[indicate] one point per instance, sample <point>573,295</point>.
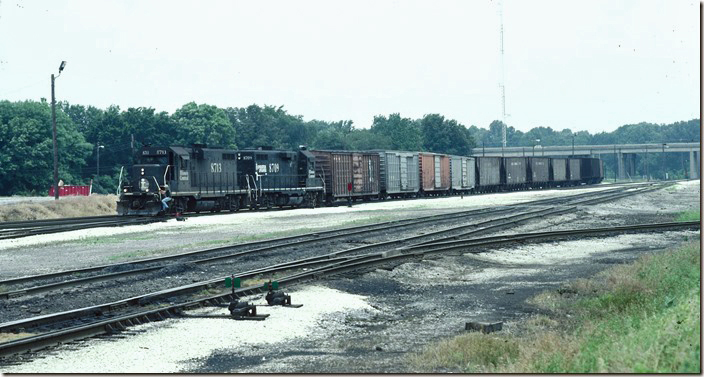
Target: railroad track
<point>17,287</point>
<point>116,316</point>
<point>18,229</point>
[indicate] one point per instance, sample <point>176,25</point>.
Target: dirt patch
<point>75,206</point>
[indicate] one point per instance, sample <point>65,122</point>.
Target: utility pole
<point>53,126</point>
<point>97,170</point>
<point>647,177</point>
<point>572,145</point>
<point>503,86</point>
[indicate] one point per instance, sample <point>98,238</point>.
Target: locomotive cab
<point>149,174</point>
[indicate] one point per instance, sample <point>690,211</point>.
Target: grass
<point>639,318</point>
<point>689,216</point>
<point>74,206</point>
<point>136,254</point>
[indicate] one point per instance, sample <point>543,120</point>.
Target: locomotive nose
<point>147,177</point>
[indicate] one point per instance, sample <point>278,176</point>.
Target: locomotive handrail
<point>119,183</point>
<point>158,189</point>
<point>166,172</point>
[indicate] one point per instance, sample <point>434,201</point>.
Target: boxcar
<point>539,171</point>
<point>398,173</point>
<point>462,173</point>
<point>592,170</point>
<point>434,172</point>
<point>574,169</point>
<point>344,170</point>
<point>488,173</point>
<point>558,170</point>
<point>515,171</point>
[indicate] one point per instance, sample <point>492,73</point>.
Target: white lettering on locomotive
<point>216,167</point>
<point>274,167</point>
<point>183,176</point>
<point>261,168</point>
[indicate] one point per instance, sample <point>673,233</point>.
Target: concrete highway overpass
<point>625,153</point>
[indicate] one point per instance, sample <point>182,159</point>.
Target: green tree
<point>445,136</point>
<point>204,124</point>
<point>402,133</point>
<point>26,148</point>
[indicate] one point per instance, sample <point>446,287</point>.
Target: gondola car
<point>538,171</point>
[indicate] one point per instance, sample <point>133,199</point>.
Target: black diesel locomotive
<point>198,178</point>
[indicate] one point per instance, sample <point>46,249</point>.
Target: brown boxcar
<point>434,171</point>
<point>342,170</point>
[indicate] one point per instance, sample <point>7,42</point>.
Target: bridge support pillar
<point>694,172</point>
<point>629,162</point>
<point>621,165</point>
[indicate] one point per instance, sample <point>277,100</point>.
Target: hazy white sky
<point>584,65</point>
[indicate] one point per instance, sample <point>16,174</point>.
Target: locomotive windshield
<point>156,160</point>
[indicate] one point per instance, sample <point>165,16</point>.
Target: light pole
<point>97,170</point>
<point>53,126</point>
<point>534,144</point>
<point>664,175</point>
<point>572,145</point>
<point>647,177</point>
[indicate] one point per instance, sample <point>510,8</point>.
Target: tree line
<point>26,152</point>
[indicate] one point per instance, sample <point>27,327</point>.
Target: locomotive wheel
<point>234,204</point>
<point>312,200</point>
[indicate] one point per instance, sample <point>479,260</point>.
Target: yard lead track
<point>46,282</point>
<point>18,229</point>
<point>111,317</point>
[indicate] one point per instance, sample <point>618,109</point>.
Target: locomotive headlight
<point>125,190</point>
<point>144,184</point>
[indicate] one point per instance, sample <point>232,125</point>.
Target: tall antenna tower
<point>502,85</point>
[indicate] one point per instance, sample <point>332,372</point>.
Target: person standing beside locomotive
<point>165,197</point>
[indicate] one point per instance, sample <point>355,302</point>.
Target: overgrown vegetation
<point>74,206</point>
<point>639,318</point>
<point>689,216</point>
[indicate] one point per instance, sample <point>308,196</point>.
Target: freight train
<point>198,178</point>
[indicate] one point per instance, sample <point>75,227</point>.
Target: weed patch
<point>639,318</point>
<point>689,216</point>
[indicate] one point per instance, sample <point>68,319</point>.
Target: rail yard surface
<point>370,320</point>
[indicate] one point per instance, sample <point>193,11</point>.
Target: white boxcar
<point>462,173</point>
<point>399,173</point>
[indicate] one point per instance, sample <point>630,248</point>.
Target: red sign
<point>349,187</point>
<point>71,190</point>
